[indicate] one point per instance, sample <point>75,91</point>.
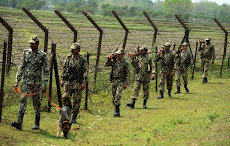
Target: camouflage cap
<point>120,51</point>
<point>33,39</point>
<point>185,44</point>
<point>144,47</point>
<point>208,38</point>
<point>75,45</point>
<point>167,44</point>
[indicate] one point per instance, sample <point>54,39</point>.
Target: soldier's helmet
<point>33,39</point>
<point>120,51</point>
<point>75,45</point>
<point>185,44</point>
<point>208,38</point>
<point>167,44</point>
<point>144,47</point>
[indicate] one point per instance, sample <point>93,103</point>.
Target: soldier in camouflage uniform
<point>144,68</point>
<point>33,62</point>
<point>207,53</point>
<point>166,58</point>
<point>119,77</point>
<point>183,59</point>
<point>74,77</point>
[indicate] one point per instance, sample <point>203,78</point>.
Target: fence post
<point>51,75</point>
<point>225,43</point>
<point>154,38</point>
<point>68,24</point>
<point>99,43</point>
<point>194,63</point>
<point>123,26</point>
<point>2,79</point>
<point>10,42</point>
<point>39,25</point>
<point>87,85</point>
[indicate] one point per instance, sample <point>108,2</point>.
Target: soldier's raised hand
<point>191,71</point>
<point>125,85</point>
<point>153,77</point>
<point>173,73</point>
<point>16,85</point>
<point>43,89</point>
<point>61,83</point>
<point>82,86</point>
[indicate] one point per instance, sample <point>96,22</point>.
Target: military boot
<point>144,103</point>
<point>74,118</point>
<point>37,122</point>
<point>178,90</point>
<point>161,95</point>
<point>186,88</point>
<point>117,111</point>
<point>132,104</point>
<point>169,94</point>
<point>18,124</point>
<point>205,80</point>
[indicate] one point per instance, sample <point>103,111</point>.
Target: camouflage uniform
<point>118,77</point>
<point>167,67</point>
<point>30,69</point>
<point>182,61</point>
<point>143,66</point>
<point>75,72</point>
<point>207,53</point>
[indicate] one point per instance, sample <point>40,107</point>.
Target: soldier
<point>30,69</point>
<point>183,59</point>
<point>119,77</point>
<point>143,66</point>
<point>74,77</point>
<point>207,53</point>
<point>166,58</point>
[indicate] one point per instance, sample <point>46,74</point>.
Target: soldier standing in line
<point>34,61</point>
<point>119,77</point>
<point>207,53</point>
<point>144,68</point>
<point>166,58</point>
<point>74,77</point>
<point>183,59</point>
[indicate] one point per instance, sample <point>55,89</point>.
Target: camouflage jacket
<point>75,69</point>
<point>120,71</point>
<point>143,66</point>
<point>31,68</point>
<point>207,51</point>
<point>183,60</point>
<point>166,61</point>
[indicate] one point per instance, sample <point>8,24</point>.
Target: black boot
<point>117,111</point>
<point>161,95</point>
<point>74,118</point>
<point>205,80</point>
<point>37,122</point>
<point>186,88</point>
<point>178,90</point>
<point>169,94</point>
<point>18,124</point>
<point>132,104</point>
<point>144,103</point>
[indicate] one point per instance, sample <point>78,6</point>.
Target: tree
<point>3,2</point>
<point>181,7</point>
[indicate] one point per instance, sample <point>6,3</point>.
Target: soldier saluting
<point>119,77</point>
<point>183,59</point>
<point>74,77</point>
<point>34,61</point>
<point>143,66</point>
<point>207,53</point>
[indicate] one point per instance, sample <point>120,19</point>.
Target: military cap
<point>208,38</point>
<point>33,39</point>
<point>75,45</point>
<point>185,44</point>
<point>120,51</point>
<point>167,44</point>
<point>144,47</point>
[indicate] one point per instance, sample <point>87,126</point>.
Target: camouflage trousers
<point>26,88</point>
<point>169,78</point>
<point>184,74</point>
<point>205,65</point>
<point>72,90</point>
<point>137,87</point>
<point>117,87</point>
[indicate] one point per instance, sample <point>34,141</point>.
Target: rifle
<point>194,60</point>
<point>156,68</point>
